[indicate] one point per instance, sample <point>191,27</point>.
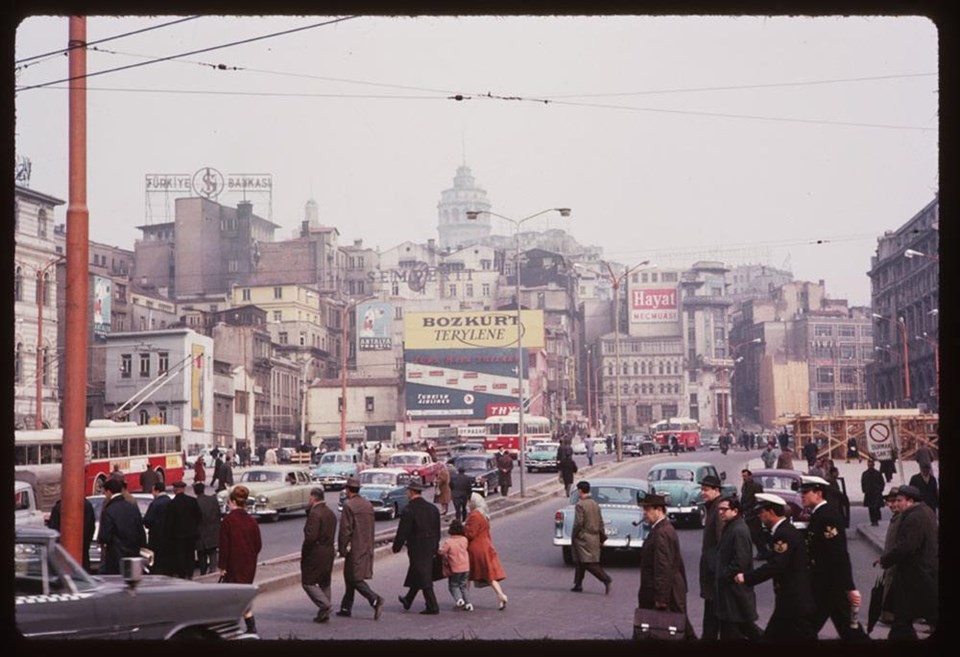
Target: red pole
<point>40,301</point>
<point>589,413</point>
<point>343,379</point>
<point>75,361</point>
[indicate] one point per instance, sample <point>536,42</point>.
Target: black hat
<point>712,481</point>
<point>892,493</point>
<point>911,492</point>
<point>654,499</point>
<point>179,483</point>
<point>415,484</point>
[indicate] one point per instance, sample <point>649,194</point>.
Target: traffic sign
<point>879,439</point>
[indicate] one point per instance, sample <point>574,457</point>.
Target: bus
<point>127,446</point>
<point>502,432</point>
<point>687,431</point>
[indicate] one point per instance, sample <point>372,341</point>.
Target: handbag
<point>659,624</point>
<point>437,567</point>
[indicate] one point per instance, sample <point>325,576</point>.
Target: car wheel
<point>392,513</point>
<point>486,489</point>
<point>701,519</point>
<point>196,634</point>
<point>567,555</point>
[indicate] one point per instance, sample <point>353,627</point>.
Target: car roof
<point>383,471</point>
<point>617,481</point>
<point>666,465</point>
<point>278,468</point>
<point>421,453</point>
<point>773,472</point>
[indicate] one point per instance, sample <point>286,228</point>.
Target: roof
<point>680,464</point>
<point>617,481</point>
<point>383,470</point>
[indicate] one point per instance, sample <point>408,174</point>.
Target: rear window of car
<point>617,495</point>
<point>671,474</point>
<point>255,476</point>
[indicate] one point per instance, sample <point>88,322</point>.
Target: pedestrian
<point>147,478</point>
<point>456,564</point>
<point>89,527</point>
<point>199,473</point>
<point>270,456</point>
<point>926,483</point>
<point>504,468</point>
<point>735,605</point>
<point>587,538</point>
<point>590,450</point>
<point>923,455</point>
<point>461,486</point>
<point>564,450</point>
<point>261,454</point>
<point>872,484</point>
<point>442,494</point>
<point>419,530</point>
<point>609,442</point>
<point>485,567</point>
<point>117,474</point>
<point>833,477</point>
<point>785,459</point>
<point>818,469</point>
<point>239,545</point>
<point>787,566</point>
<point>121,532</point>
<point>215,481</point>
<point>226,475</point>
<point>769,456</point>
<point>810,452</point>
<point>317,554</point>
<point>674,445</point>
<point>209,530</point>
<point>710,493</point>
<point>181,527</point>
<point>663,579</point>
<point>567,468</point>
<point>853,450</point>
<point>831,577</point>
<point>784,439</point>
<point>355,544</point>
<point>893,505</point>
<point>914,589</point>
<point>748,502</point>
<point>154,520</point>
<point>376,454</point>
<point>888,467</point>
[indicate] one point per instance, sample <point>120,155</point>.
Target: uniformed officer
<point>831,576</point>
<point>793,604</point>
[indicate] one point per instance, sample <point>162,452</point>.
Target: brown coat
<point>317,553</point>
<point>442,495</point>
<point>587,527</point>
<point>484,562</point>
<point>662,575</point>
<point>785,460</point>
<point>239,546</point>
<point>355,541</point>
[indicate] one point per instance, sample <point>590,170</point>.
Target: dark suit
<point>154,520</point>
<point>89,527</point>
<point>181,527</point>
<point>662,575</point>
<point>460,488</point>
<point>419,530</point>
<point>708,570</point>
<point>735,604</point>
<point>121,532</point>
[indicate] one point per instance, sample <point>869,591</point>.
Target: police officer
<point>793,597</point>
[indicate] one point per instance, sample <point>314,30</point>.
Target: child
<point>456,564</point>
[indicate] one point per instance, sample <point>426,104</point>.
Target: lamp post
<point>472,215</point>
<point>343,367</point>
<point>596,396</point>
<point>589,409</point>
<point>902,325</point>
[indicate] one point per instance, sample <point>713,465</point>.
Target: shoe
<point>430,612</point>
<point>607,586</point>
<point>377,607</point>
<point>343,612</point>
<point>461,602</point>
<point>323,618</point>
<point>503,603</point>
<point>577,589</point>
<point>403,601</point>
<point>468,607</point>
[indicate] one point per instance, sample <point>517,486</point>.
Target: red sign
<point>653,304</point>
<point>501,409</point>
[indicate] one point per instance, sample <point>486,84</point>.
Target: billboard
<point>654,304</point>
<point>472,329</point>
<point>374,326</point>
<point>459,383</point>
<point>196,388</point>
<point>102,293</point>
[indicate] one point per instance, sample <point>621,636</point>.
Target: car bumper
<point>612,543</point>
<point>331,482</point>
<point>682,512</point>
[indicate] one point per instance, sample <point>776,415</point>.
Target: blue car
<point>386,488</point>
<point>335,467</point>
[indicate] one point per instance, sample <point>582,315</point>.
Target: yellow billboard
<point>465,329</point>
<point>196,388</point>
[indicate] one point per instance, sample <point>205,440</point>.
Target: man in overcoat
<point>317,554</point>
<point>735,604</point>
<point>209,532</point>
<point>504,468</point>
<point>89,527</point>
<point>154,521</point>
<point>587,538</point>
<point>182,527</point>
<point>710,491</point>
<point>872,483</point>
<point>355,544</point>
<point>147,478</point>
<point>567,467</point>
<point>460,488</point>
<point>419,530</point>
<point>121,531</point>
<point>793,598</point>
<point>663,579</point>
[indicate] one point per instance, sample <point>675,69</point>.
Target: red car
<point>786,484</point>
<point>418,464</point>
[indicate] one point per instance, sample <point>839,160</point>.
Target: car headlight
<point>416,473</point>
<point>262,499</point>
<point>479,480</point>
<point>384,495</point>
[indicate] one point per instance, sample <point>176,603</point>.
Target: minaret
<point>311,213</point>
<point>454,227</point>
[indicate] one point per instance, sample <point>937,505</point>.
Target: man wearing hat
<point>317,554</point>
<point>710,491</point>
<point>355,544</point>
<point>181,527</point>
<point>663,579</point>
<point>461,486</point>
<point>914,588</point>
<point>831,575</point>
<point>872,483</point>
<point>926,483</point>
<point>419,530</point>
<point>787,566</point>
<point>504,468</point>
<point>121,531</point>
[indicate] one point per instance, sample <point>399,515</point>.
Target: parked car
<point>533,443</point>
<point>274,489</point>
<point>619,500</point>
<point>418,464</point>
<point>638,445</point>
<point>96,501</point>
<point>786,484</point>
<point>25,505</point>
<point>482,469</point>
<point>542,458</point>
<point>56,599</point>
<point>335,467</point>
<point>710,440</point>
<point>386,488</point>
<point>679,481</point>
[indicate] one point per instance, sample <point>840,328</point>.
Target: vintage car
<point>463,449</point>
<point>96,501</point>
<point>786,484</point>
<point>542,458</point>
<point>386,488</point>
<point>274,489</point>
<point>418,464</point>
<point>679,481</point>
<point>482,469</point>
<point>25,507</point>
<point>55,598</point>
<point>619,500</point>
<point>335,467</point>
<point>638,445</point>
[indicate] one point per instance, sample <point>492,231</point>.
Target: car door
<point>303,489</point>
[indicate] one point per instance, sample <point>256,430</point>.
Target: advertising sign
<point>880,441</point>
<point>469,329</point>
<point>654,304</point>
<point>196,388</point>
<point>374,326</point>
<point>102,293</point>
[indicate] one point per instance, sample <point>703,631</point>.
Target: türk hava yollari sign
<point>472,329</point>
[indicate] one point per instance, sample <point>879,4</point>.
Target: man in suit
<point>209,530</point>
<point>735,605</point>
<point>831,576</point>
<point>355,543</point>
<point>148,478</point>
<point>504,468</point>
<point>587,540</point>
<point>710,491</point>
<point>460,488</point>
<point>419,530</point>
<point>154,520</point>
<point>181,527</point>
<point>121,531</point>
<point>748,500</point>
<point>793,598</point>
<point>317,554</point>
<point>926,483</point>
<point>89,527</point>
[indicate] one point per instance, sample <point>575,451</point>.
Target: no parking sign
<point>879,439</point>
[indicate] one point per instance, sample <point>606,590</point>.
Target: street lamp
<point>912,253</point>
<point>343,367</point>
<point>472,215</point>
<point>902,325</point>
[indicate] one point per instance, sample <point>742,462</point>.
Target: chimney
<point>431,244</point>
<point>244,210</point>
<point>358,243</point>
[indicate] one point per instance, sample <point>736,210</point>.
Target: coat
<point>708,550</point>
<point>790,573</point>
<point>872,483</point>
<point>928,489</point>
<point>785,460</point>
<point>317,552</point>
<point>442,494</point>
<point>461,486</point>
<point>830,572</point>
<point>239,545</point>
<point>456,558</point>
<point>89,527</point>
<point>914,588</point>
<point>355,540</point>
<point>587,528</point>
<point>505,467</point>
<point>209,528</point>
<point>147,479</point>
<point>567,468</point>
<point>199,473</point>
<point>154,520</point>
<point>748,495</point>
<point>769,457</point>
<point>734,602</point>
<point>662,575</point>
<point>183,517</point>
<point>121,531</point>
<point>419,530</point>
<point>484,561</point>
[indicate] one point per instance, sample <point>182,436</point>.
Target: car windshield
<point>405,459</point>
<point>547,447</point>
<point>779,483</point>
<point>337,458</point>
<point>617,495</point>
<point>254,476</point>
<point>472,464</point>
<point>383,478</point>
<point>671,474</point>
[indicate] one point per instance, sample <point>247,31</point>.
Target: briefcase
<point>658,624</point>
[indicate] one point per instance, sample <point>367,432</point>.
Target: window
<point>824,375</point>
<point>847,331</point>
<point>369,404</point>
<point>849,398</point>
<point>18,285</point>
<point>163,362</point>
<point>848,375</point>
<point>18,364</point>
<point>469,287</point>
<point>866,331</point>
<point>848,352</point>
<point>126,366</point>
<point>42,224</point>
<point>45,363</point>
<point>162,414</point>
<point>278,315</point>
<point>245,294</point>
<point>303,339</point>
<point>669,277</point>
<point>486,265</point>
<point>241,401</point>
<point>339,404</point>
<point>485,288</point>
<point>278,293</point>
<point>453,290</point>
<point>825,400</point>
<point>144,366</point>
<point>822,330</point>
<point>644,414</point>
<point>143,419</point>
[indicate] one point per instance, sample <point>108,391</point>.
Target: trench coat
<point>662,575</point>
<point>121,531</point>
<point>239,546</point>
<point>708,550</point>
<point>567,468</point>
<point>505,467</point>
<point>734,602</point>
<point>355,540</point>
<point>587,527</point>
<point>419,530</point>
<point>209,522</point>
<point>147,479</point>
<point>442,494</point>
<point>915,584</point>
<point>317,552</point>
<point>872,483</point>
<point>484,561</point>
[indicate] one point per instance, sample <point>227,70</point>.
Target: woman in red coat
<point>239,545</point>
<point>199,474</point>
<point>485,568</point>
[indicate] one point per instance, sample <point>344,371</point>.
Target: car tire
<point>486,489</point>
<point>393,512</point>
<point>196,634</point>
<point>567,551</point>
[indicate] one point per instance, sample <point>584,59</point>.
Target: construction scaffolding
<point>911,429</point>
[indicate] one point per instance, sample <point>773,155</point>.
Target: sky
<point>788,141</point>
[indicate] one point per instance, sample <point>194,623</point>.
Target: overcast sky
<point>671,138</point>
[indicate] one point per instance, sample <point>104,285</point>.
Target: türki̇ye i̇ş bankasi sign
<point>473,329</point>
